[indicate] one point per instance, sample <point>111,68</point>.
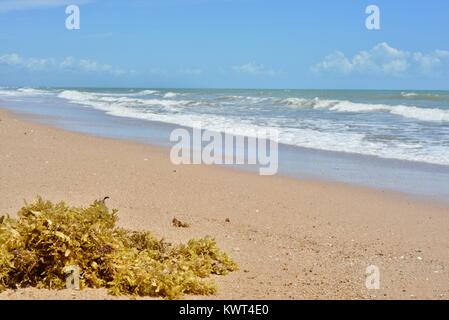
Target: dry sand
<point>292,239</point>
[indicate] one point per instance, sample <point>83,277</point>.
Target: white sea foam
<point>332,141</point>
<point>105,103</point>
<point>170,95</point>
<point>76,96</point>
<point>312,132</point>
<point>147,92</point>
<point>32,91</point>
<point>409,94</point>
<point>416,95</point>
<point>128,94</point>
<point>412,112</point>
<point>244,99</point>
<point>315,103</point>
<point>23,92</point>
<point>424,114</point>
<point>8,93</point>
<point>251,99</point>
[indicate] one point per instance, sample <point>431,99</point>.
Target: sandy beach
<point>293,239</point>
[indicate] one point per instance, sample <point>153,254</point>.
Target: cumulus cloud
<point>383,59</point>
<point>14,5</point>
<point>253,68</point>
<point>66,64</point>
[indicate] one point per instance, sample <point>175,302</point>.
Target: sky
<point>321,44</point>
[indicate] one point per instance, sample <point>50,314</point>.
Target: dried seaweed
<point>46,238</point>
<point>179,224</point>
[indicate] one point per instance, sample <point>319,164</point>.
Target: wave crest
<point>412,112</point>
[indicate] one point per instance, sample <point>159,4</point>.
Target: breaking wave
<point>412,112</point>
<point>318,123</point>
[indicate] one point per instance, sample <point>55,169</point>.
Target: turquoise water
<point>388,139</point>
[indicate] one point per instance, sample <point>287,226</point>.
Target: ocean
<point>396,130</point>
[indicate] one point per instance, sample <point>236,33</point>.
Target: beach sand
<point>293,239</point>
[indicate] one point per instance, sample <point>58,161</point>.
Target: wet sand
<point>293,239</point>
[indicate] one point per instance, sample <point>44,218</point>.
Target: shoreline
<point>164,148</point>
<point>295,162</point>
<point>293,239</point>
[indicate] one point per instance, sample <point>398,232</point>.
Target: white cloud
<point>385,60</point>
<point>66,64</point>
<point>253,68</point>
<point>14,59</point>
<point>14,5</point>
<point>336,62</point>
<point>93,66</point>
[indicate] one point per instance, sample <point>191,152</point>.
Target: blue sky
<point>225,43</point>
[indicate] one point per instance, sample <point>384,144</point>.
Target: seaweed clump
<point>46,238</point>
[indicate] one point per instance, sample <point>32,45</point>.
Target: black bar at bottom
<point>213,309</point>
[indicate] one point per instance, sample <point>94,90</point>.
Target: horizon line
<point>215,88</point>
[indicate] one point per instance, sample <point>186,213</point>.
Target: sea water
<point>387,139</point>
